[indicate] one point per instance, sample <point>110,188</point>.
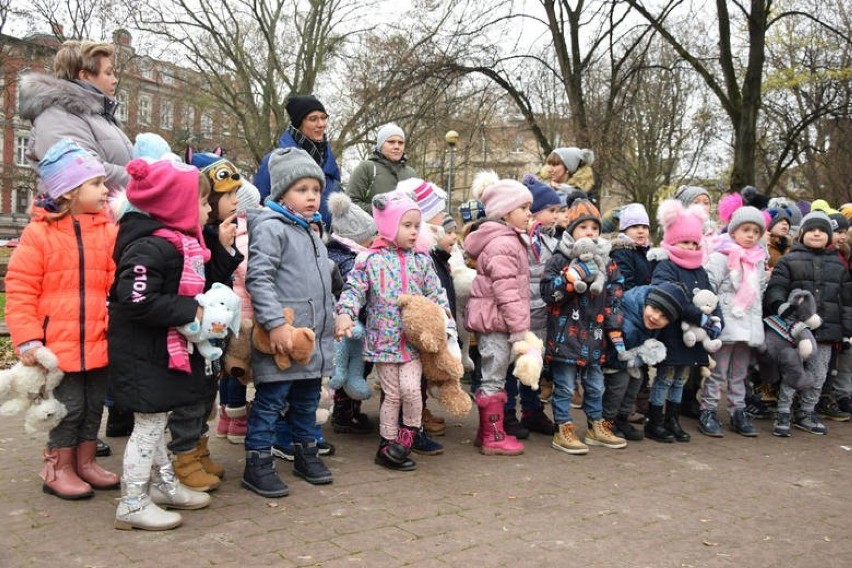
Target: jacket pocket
<point>304,312</point>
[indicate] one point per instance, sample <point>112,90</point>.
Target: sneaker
<point>425,445</point>
<point>513,427</point>
<point>283,453</point>
<point>829,409</point>
<point>565,440</point>
<point>599,433</point>
<point>708,424</point>
<point>757,409</point>
<point>538,422</point>
<point>741,424</point>
<point>810,422</point>
<point>325,447</point>
<point>781,428</point>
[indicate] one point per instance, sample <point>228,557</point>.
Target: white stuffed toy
<point>527,354</point>
<point>30,388</point>
<point>706,301</point>
<point>326,403</point>
<point>650,352</point>
<point>221,313</point>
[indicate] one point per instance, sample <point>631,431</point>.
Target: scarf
<point>317,150</point>
<point>191,283</point>
<point>535,240</point>
<point>295,217</point>
<point>743,261</point>
<point>688,259</point>
<point>110,106</point>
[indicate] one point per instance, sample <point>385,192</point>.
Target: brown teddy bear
<point>303,340</point>
<point>237,357</point>
<point>425,326</point>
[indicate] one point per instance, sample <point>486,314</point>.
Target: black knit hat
<point>300,106</point>
<point>839,222</point>
<point>668,298</point>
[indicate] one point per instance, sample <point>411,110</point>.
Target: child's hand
<point>228,232</point>
<point>281,339</point>
<point>28,358</point>
<point>343,326</point>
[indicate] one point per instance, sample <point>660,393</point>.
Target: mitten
<point>713,327</point>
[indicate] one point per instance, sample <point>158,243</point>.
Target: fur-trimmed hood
<point>623,242</point>
<point>40,91</point>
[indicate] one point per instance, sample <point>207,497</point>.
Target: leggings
<point>146,447</point>
<point>401,387</point>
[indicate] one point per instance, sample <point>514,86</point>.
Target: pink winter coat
<point>500,294</point>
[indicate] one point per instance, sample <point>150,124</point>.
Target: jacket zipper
<point>82,268</point>
<point>324,292</point>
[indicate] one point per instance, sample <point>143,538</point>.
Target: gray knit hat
<point>386,132</point>
<point>287,166</point>
<point>747,214</point>
<point>688,193</point>
<point>248,196</point>
<point>816,220</point>
<point>348,220</point>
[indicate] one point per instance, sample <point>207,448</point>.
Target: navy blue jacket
<point>632,262</point>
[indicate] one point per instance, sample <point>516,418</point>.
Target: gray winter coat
<point>288,267</point>
<point>62,109</point>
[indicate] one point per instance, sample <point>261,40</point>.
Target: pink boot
<point>495,441</point>
<point>224,422</point>
<point>238,425</point>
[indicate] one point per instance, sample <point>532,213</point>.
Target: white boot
<point>167,491</point>
<point>137,511</point>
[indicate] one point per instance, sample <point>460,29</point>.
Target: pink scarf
<point>744,261</point>
<point>688,259</point>
<point>195,255</point>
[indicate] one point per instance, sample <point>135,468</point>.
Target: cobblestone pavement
<point>711,503</point>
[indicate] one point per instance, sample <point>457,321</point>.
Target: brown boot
<point>89,470</point>
<point>434,425</point>
<point>60,477</point>
<point>191,473</point>
<point>204,457</point>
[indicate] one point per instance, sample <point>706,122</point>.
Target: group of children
<point>611,313</point>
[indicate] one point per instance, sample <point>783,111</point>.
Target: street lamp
<point>451,138</point>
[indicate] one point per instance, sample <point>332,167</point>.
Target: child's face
<point>654,318</point>
<point>409,229</point>
<point>204,208</point>
<point>687,245</point>
<point>446,242</point>
<point>747,235</point>
<point>519,217</point>
<point>547,217</point>
<point>303,197</point>
<point>587,228</point>
<point>815,239</point>
<point>227,205</point>
<point>90,197</point>
<point>638,233</point>
<point>780,229</point>
<point>839,238</point>
<point>562,217</point>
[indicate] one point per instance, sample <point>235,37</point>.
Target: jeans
<point>668,385</point>
<point>232,393</point>
<point>188,424</point>
<point>284,434</point>
<point>564,379</point>
<point>301,397</point>
<point>83,395</point>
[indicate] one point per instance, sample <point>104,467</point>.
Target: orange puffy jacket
<point>57,284</point>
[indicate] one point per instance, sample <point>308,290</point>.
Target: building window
<point>166,115</point>
<point>167,78</point>
<point>206,125</point>
<point>518,145</point>
<point>121,111</point>
<point>22,200</point>
<point>188,122</point>
<point>143,110</point>
<point>21,143</point>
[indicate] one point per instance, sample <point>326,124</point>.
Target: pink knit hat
<point>503,197</point>
<point>388,209</point>
<point>681,224</point>
<point>167,191</point>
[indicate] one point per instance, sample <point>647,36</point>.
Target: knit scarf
<point>317,150</point>
<point>688,259</point>
<point>535,240</point>
<point>295,217</point>
<point>191,283</point>
<point>742,261</point>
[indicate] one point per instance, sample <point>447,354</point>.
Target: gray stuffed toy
<point>789,340</point>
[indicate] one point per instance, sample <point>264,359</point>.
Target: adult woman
<point>78,103</point>
<point>382,170</point>
<point>570,170</point>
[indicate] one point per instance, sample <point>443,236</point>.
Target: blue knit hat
<point>66,166</point>
<point>544,196</point>
<point>222,174</point>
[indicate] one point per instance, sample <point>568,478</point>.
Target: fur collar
<point>40,92</point>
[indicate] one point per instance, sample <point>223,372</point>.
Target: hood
<point>257,216</point>
<point>377,156</point>
<point>133,226</point>
<point>40,91</point>
<point>478,239</point>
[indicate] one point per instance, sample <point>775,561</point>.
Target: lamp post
<point>451,138</point>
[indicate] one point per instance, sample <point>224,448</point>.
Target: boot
<point>237,425</point>
<point>60,475</point>
<point>537,421</point>
<point>224,423</point>
<point>708,424</point>
<point>495,441</point>
<point>626,430</point>
<point>599,433</point>
<point>191,473</point>
<point>260,475</point>
<point>654,427</point>
<point>167,491</point>
<point>434,425</point>
<point>425,445</point>
<point>309,466</point>
<point>384,458</point>
<point>741,424</point>
<point>344,419</point>
<point>137,511</point>
<point>103,449</point>
<point>362,418</point>
<point>672,422</point>
<point>119,422</point>
<point>89,470</point>
<point>565,440</point>
<point>828,408</point>
<point>513,427</point>
<point>206,462</point>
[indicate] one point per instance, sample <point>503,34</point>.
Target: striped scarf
<point>317,150</point>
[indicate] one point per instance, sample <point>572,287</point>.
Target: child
<point>52,302</point>
<point>630,248</point>
<point>578,325</point>
<point>392,267</point>
<point>737,272</point>
<point>814,267</point>
<point>778,241</point>
<point>683,239</point>
<point>160,259</point>
<point>288,267</point>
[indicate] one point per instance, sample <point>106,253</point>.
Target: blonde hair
<point>75,56</point>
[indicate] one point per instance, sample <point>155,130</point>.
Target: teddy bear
<point>789,340</point>
<point>349,365</point>
<point>30,389</point>
<point>706,301</point>
<point>650,352</point>
<point>237,357</point>
<point>426,326</point>
<point>221,313</point>
<point>462,281</point>
<point>527,356</point>
<point>303,341</point>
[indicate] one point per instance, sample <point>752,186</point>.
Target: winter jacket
<point>57,284</point>
<point>374,283</point>
<point>822,273</point>
<point>500,293</point>
<point>288,267</point>
<point>577,324</point>
<point>222,264</point>
<point>678,354</point>
<point>539,255</point>
<point>441,263</point>
<point>66,109</point>
<point>329,167</point>
<point>739,327</point>
<point>633,328</point>
<point>777,247</point>
<point>376,175</point>
<point>632,261</point>
<point>241,244</point>
<point>143,305</point>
